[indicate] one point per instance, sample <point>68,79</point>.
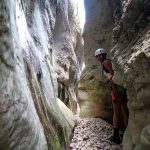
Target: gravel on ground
<point>93,134</point>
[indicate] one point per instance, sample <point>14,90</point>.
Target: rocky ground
<point>92,134</point>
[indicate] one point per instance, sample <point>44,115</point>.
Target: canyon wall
<point>94,97</point>
<point>122,27</point>
<point>131,54</point>
<point>40,62</point>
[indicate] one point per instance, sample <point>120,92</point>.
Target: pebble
<point>92,134</point>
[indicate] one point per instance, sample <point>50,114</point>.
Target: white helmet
<point>100,51</point>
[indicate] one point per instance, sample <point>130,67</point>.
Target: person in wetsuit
<point>118,94</point>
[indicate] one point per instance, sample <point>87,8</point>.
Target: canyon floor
<point>92,134</point>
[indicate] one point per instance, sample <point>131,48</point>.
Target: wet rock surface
<point>92,134</point>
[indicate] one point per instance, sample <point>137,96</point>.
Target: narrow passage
<point>92,134</point>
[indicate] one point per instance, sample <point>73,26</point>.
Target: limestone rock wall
<point>131,55</point>
<point>40,43</point>
<point>128,39</point>
<point>94,98</point>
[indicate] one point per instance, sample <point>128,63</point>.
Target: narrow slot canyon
<point>74,75</point>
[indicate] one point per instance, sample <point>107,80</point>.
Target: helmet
<point>100,51</point>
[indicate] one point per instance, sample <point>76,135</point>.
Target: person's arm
<point>108,65</point>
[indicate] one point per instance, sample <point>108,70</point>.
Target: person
<point>118,94</point>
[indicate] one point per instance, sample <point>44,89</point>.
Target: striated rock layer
<point>40,61</point>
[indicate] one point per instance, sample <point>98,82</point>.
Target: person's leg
<point>116,114</point>
<point>116,122</point>
<point>125,110</point>
<point>116,106</point>
<point>123,102</point>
